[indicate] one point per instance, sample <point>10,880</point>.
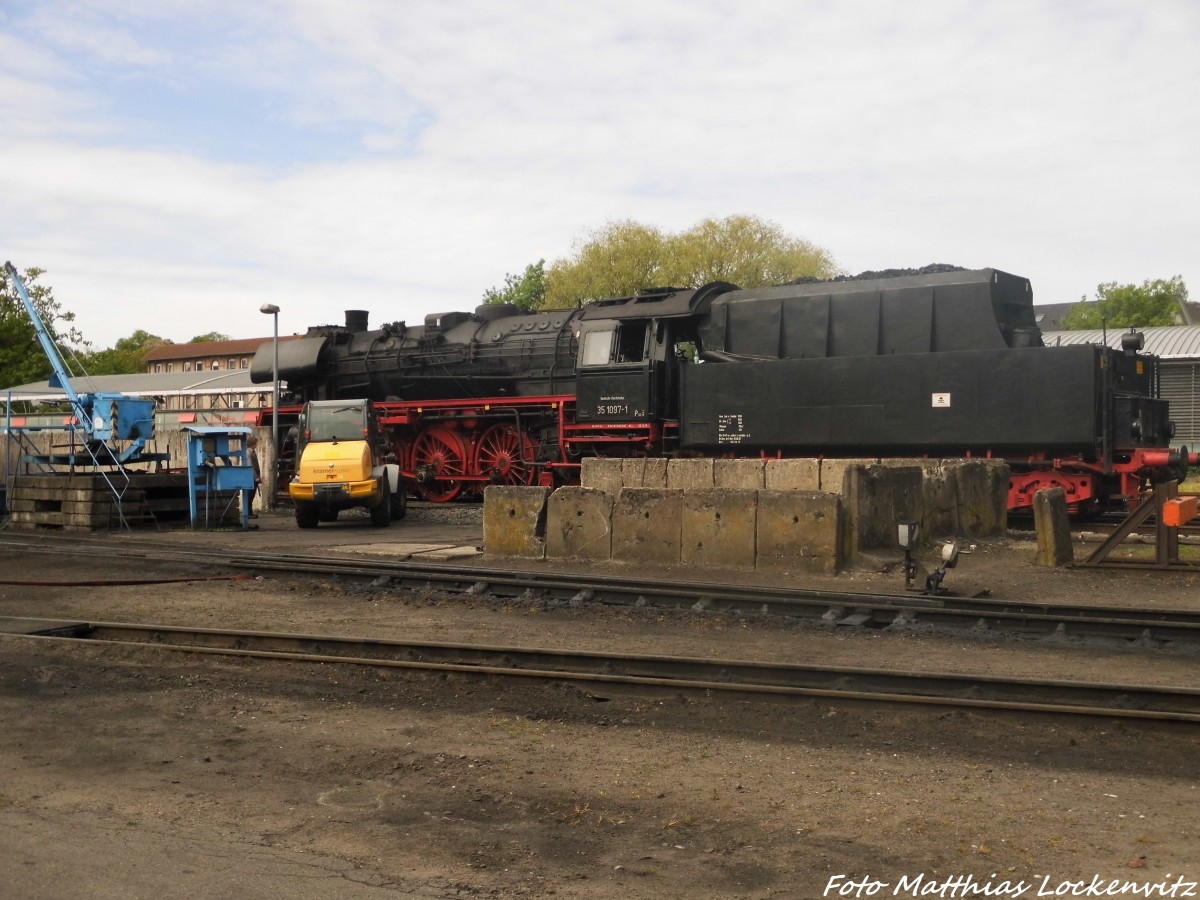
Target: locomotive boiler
<point>912,364</point>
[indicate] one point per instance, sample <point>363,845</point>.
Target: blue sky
<point>175,164</point>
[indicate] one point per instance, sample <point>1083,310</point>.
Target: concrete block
<point>689,474</point>
<point>982,486</point>
<point>718,528</point>
<point>792,475</point>
<point>876,497</point>
<point>602,474</point>
<point>633,471</point>
<point>833,473</point>
<point>654,475</point>
<point>921,462</point>
<point>647,525</point>
<point>939,489</point>
<point>579,523</point>
<point>963,497</point>
<point>799,531</point>
<point>1053,528</point>
<point>514,521</point>
<point>748,474</point>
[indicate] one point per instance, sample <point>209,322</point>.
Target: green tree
<point>623,258</point>
<point>22,359</point>
<point>1157,302</point>
<point>126,357</point>
<point>617,260</point>
<point>209,337</point>
<point>745,250</point>
<point>527,291</point>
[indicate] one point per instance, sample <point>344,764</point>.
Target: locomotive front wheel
<point>505,454</point>
<point>440,450</point>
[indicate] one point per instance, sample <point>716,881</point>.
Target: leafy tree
<point>618,260</point>
<point>22,359</point>
<point>1157,302</point>
<point>745,250</point>
<point>209,337</point>
<point>626,257</point>
<point>527,291</point>
<point>126,357</point>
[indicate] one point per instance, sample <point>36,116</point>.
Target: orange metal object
<point>1180,510</point>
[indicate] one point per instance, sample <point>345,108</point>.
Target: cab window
<point>631,342</point>
<point>597,348</point>
<point>340,423</point>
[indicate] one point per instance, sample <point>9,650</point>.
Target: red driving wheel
<point>438,454</point>
<point>505,454</point>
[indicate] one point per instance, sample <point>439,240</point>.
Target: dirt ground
<point>134,772</point>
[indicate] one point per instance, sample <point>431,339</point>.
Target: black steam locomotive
<point>928,363</point>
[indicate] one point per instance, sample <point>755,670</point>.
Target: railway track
<point>642,673</point>
<point>1097,528</point>
<point>1126,626</point>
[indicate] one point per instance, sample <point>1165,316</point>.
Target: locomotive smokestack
<point>356,320</point>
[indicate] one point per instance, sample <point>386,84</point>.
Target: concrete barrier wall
<point>647,525</point>
<point>799,531</point>
<point>876,498</point>
<point>719,528</point>
<point>602,474</point>
<point>579,523</point>
<point>790,514</point>
<point>748,474</point>
<point>689,474</point>
<point>792,475</point>
<point>514,521</point>
<point>961,497</point>
<point>982,487</point>
<point>728,528</point>
<point>834,473</point>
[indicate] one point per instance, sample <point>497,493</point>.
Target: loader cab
<point>337,420</point>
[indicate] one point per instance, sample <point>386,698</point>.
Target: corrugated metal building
<point>182,398</point>
<point>1178,346</point>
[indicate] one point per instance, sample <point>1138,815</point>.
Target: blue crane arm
<point>51,351</point>
<point>102,416</point>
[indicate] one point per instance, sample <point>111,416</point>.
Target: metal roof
<point>145,384</point>
<point>1164,341</point>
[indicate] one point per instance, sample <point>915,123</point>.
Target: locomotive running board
<point>1166,537</point>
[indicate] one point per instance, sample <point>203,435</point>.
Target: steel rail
<point>894,611</point>
<point>747,678</point>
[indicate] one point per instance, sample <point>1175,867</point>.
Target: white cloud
<point>409,155</point>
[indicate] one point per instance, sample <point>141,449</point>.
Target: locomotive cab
<point>620,371</point>
<point>627,369</point>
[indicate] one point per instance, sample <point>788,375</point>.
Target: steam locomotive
<point>919,363</point>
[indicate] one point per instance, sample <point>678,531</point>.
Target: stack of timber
<point>88,502</point>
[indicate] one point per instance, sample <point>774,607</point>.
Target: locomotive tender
<point>932,363</point>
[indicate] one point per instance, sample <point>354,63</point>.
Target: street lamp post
<point>271,309</point>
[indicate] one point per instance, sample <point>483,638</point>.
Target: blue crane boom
<point>61,377</point>
<point>103,416</point>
